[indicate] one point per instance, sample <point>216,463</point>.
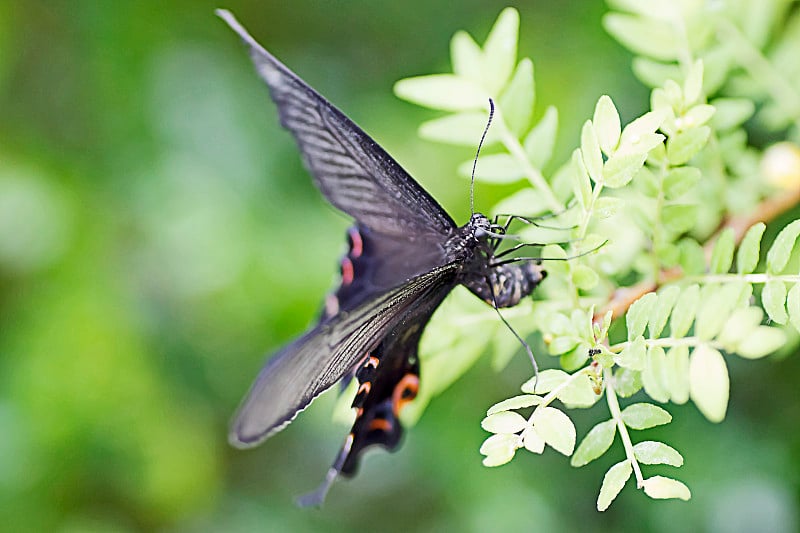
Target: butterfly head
<point>480,226</point>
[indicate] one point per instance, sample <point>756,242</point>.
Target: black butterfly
<point>406,254</point>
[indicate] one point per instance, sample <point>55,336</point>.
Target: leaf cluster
<point>638,204</point>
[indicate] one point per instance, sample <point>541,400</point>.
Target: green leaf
<point>740,326</point>
<point>676,374</point>
<point>447,92</point>
<point>673,94</point>
<point>731,112</point>
<point>532,441</point>
<point>467,57</point>
<point>499,449</point>
<point>517,402</point>
<point>607,206</point>
<point>627,382</point>
<point>749,250</point>
<point>516,102</point>
<point>654,374</point>
<point>581,186</point>
<point>679,218</point>
<point>607,125</point>
<point>696,116</point>
<point>693,85</point>
<point>613,482</point>
<point>540,141</point>
<point>555,428</point>
<point>781,249</point>
<point>500,50</point>
<point>773,298</point>
<point>575,358</point>
<point>579,393</point>
<point>692,257</point>
<point>682,146</point>
<point>494,168</point>
<point>661,309</point>
<point>761,342</point>
<point>462,129</point>
<point>584,277</point>
<point>793,306</point>
<point>717,306</point>
<point>722,254</point>
<point>524,202</point>
<point>654,73</point>
<point>548,380</point>
<point>590,151</point>
<point>643,126</point>
<point>679,181</point>
<point>685,311</point>
<point>557,323</point>
<point>582,323</point>
<point>561,345</point>
<point>664,488</point>
<point>645,36</point>
<point>650,452</point>
<point>633,355</point>
<point>620,169</point>
<point>595,443</point>
<point>645,416</point>
<point>504,422</point>
<point>709,385</point>
<point>638,314</point>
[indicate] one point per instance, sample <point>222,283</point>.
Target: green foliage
<point>638,201</point>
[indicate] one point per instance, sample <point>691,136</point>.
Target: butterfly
<point>405,255</point>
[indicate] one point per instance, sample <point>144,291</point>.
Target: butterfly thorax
<point>501,285</point>
<point>470,241</point>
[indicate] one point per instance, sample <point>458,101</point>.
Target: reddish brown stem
<point>772,207</point>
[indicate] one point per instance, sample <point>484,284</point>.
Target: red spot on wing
<point>357,247</point>
<point>347,271</point>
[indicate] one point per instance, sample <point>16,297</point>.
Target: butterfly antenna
<point>522,341</point>
<point>475,163</point>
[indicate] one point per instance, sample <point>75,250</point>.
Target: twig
<point>766,211</point>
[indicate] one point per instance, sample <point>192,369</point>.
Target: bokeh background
<point>158,236</point>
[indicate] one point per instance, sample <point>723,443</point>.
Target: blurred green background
<point>158,236</point>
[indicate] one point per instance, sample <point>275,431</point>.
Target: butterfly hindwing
<point>314,362</point>
<point>388,379</point>
<point>353,172</point>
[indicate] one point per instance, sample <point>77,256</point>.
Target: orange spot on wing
<point>405,391</point>
<point>364,388</point>
<point>347,271</point>
<point>380,424</point>
<point>371,361</point>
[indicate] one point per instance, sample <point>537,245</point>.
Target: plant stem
<point>669,342</point>
<point>513,146</point>
<point>749,278</point>
<point>548,399</point>
<point>616,414</point>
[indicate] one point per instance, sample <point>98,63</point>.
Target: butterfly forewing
<point>351,170</point>
<point>321,357</point>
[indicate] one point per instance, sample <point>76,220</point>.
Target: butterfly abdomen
<point>505,285</point>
